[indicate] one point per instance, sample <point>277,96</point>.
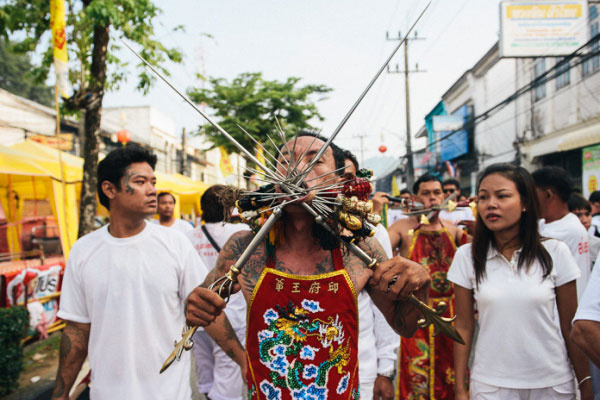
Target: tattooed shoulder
<point>231,251</point>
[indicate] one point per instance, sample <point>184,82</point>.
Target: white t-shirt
<point>178,224</point>
<point>131,290</point>
<point>377,341</point>
<point>589,305</point>
<point>383,237</point>
<point>569,229</point>
<point>219,232</point>
<point>395,214</point>
<point>519,345</point>
<point>457,215</point>
<point>595,224</point>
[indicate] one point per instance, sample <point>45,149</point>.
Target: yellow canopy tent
<point>187,192</point>
<point>30,170</point>
<point>29,176</point>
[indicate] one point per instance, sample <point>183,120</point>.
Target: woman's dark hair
<point>112,168</point>
<point>531,241</point>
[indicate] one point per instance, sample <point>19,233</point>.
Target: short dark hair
<point>595,197</point>
<point>162,194</point>
<point>451,181</point>
<point>112,168</point>
<point>425,178</point>
<point>578,202</point>
<point>405,191</point>
<point>211,204</point>
<point>350,156</point>
<point>554,178</point>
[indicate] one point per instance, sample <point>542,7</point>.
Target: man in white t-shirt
<point>166,206</point>
<point>451,186</point>
<point>377,341</point>
<point>218,376</point>
<point>594,200</point>
<point>553,188</point>
<point>586,326</point>
<point>124,289</point>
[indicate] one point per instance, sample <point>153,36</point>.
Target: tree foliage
<point>256,105</point>
<point>16,77</point>
<point>94,62</point>
<point>13,325</point>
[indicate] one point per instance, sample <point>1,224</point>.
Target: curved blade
<point>434,317</point>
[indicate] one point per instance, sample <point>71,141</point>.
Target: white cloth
<point>594,249</point>
<point>394,215</point>
<point>382,236</point>
<point>595,227</point>
<point>589,304</point>
<point>377,341</point>
<point>519,345</point>
<point>226,382</point>
<point>377,345</point>
<point>220,233</point>
<point>457,215</point>
<point>570,230</point>
<point>132,290</point>
<point>481,391</point>
<point>178,224</point>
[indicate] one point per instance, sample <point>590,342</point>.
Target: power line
<point>542,79</point>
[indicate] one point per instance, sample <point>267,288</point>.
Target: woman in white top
<point>518,281</point>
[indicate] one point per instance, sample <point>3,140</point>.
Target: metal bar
<point>186,336</point>
<point>363,94</point>
<point>199,111</point>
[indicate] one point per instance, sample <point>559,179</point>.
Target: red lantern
<point>123,136</point>
<point>382,149</point>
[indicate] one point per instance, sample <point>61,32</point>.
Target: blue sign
<point>454,144</point>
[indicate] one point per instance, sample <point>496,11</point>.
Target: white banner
<point>542,28</point>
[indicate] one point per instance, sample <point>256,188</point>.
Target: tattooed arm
<point>224,335</point>
<point>391,298</point>
<point>204,307</point>
<point>73,350</point>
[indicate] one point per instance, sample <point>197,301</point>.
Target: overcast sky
<point>338,43</point>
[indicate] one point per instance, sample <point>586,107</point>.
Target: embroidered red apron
<point>426,363</point>
<point>302,335</point>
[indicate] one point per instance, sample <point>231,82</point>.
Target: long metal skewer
<point>360,98</point>
<point>222,287</point>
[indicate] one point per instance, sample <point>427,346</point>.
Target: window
<point>592,64</point>
<point>563,75</point>
<point>540,88</point>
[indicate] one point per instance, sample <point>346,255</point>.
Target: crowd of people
<point>309,320</point>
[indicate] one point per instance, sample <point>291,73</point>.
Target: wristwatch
<point>390,374</point>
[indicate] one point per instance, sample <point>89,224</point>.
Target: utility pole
<point>410,170</point>
<point>362,148</point>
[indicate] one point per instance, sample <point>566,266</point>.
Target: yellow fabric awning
<point>32,171</point>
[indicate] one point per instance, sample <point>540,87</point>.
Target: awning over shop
<point>31,171</point>
<point>574,137</point>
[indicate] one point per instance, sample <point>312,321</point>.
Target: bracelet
<point>583,380</point>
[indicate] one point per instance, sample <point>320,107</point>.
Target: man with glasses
<point>460,216</point>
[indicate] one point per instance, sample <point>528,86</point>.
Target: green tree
<point>256,105</point>
<point>16,78</point>
<point>90,26</point>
